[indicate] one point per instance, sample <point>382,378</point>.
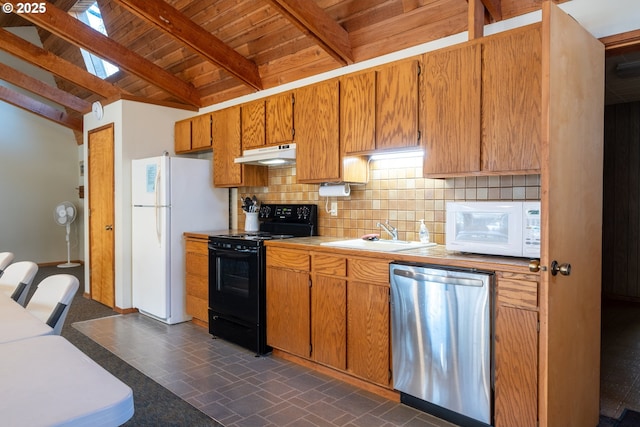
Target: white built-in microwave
<point>494,228</point>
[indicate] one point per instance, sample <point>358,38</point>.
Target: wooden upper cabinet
<point>182,136</point>
<point>317,133</point>
<point>279,119</point>
<point>226,147</point>
<point>193,134</point>
<point>201,132</point>
<point>397,105</point>
<point>451,110</point>
<point>253,125</point>
<point>482,106</point>
<point>358,113</point>
<point>512,101</point>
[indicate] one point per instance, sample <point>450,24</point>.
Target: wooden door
<point>451,110</point>
<point>317,139</point>
<point>571,187</point>
<point>101,215</point>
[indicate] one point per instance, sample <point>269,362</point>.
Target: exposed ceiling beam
<point>70,29</point>
<point>24,50</point>
<point>44,90</point>
<point>494,7</point>
<point>43,110</point>
<point>476,19</point>
<point>312,20</point>
<point>177,25</point>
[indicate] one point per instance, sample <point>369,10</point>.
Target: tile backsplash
<point>397,192</point>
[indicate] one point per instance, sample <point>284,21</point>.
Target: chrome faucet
<point>390,229</point>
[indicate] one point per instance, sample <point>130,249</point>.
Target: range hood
<point>275,155</point>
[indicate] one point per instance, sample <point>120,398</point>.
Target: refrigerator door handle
<point>157,206</point>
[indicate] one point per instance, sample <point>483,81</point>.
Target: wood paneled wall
<point>621,202</point>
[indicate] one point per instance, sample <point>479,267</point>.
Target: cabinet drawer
<point>198,247</point>
<point>287,258</point>
<point>369,270</point>
<point>197,286</point>
<point>518,292</point>
<point>328,264</point>
<point>198,308</point>
<point>197,264</point>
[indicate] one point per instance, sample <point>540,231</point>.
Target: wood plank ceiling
<point>195,53</point>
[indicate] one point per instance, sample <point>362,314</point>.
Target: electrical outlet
<point>334,209</point>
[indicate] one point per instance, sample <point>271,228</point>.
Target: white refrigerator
<point>170,195</point>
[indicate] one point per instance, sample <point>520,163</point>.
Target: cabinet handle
<point>108,227</point>
<point>534,265</point>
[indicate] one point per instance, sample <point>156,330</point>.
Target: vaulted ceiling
<point>195,53</point>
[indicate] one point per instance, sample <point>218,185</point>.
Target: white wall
<point>140,130</point>
<point>39,167</point>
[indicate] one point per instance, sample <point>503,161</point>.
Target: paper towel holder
<point>334,190</point>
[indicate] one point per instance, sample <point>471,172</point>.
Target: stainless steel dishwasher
<point>441,341</point>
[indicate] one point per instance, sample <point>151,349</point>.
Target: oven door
<point>234,283</point>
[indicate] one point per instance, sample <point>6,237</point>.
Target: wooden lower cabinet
<point>516,351</point>
<point>197,278</point>
<point>368,338</point>
<point>348,318</point>
<point>288,301</point>
<point>329,310</point>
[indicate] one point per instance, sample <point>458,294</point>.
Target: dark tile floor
<point>238,389</point>
<point>620,358</point>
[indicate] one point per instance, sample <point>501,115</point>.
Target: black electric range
<point>237,273</point>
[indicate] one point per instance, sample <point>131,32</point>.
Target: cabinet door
<point>397,106</point>
<point>358,113</point>
<point>329,318</point>
<point>516,367</point>
<point>317,139</point>
<point>368,331</point>
<point>253,125</point>
<point>279,119</point>
<point>182,136</point>
<point>288,311</point>
<point>201,132</point>
<point>512,101</point>
<point>226,147</point>
<point>451,110</point>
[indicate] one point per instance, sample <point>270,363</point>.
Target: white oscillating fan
<point>64,214</point>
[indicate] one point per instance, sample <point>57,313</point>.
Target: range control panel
<point>293,214</point>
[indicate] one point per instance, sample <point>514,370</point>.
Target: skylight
<point>92,17</point>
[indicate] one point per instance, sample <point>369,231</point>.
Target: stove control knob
<point>265,211</point>
<point>305,212</point>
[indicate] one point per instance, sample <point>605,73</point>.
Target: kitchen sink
<point>378,245</point>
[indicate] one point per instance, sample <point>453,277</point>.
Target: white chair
<point>5,260</point>
<point>52,298</point>
<point>17,279</point>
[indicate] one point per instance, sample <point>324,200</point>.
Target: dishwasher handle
<point>431,278</point>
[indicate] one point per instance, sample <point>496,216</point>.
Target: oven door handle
<point>232,251</point>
